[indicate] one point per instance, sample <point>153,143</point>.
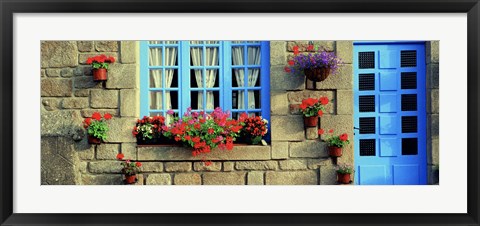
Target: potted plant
<point>255,127</point>
<point>204,132</point>
<point>100,65</point>
<point>97,127</point>
<point>344,172</point>
<point>316,66</point>
<point>149,130</point>
<point>130,169</point>
<point>311,109</point>
<point>335,143</point>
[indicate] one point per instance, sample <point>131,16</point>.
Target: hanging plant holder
<point>99,74</point>
<point>334,151</point>
<point>310,121</point>
<point>317,74</point>
<point>344,178</point>
<point>130,179</point>
<point>93,140</point>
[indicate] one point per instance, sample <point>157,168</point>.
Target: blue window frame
<point>233,75</point>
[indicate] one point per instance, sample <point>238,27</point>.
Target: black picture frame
<point>10,7</point>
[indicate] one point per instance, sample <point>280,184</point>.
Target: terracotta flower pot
<point>93,140</point>
<point>343,178</point>
<point>334,151</point>
<point>99,74</point>
<point>317,74</point>
<point>130,179</point>
<point>310,121</point>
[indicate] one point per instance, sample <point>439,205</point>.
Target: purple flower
<point>170,112</point>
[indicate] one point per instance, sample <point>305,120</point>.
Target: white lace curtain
<point>155,59</point>
<point>253,58</point>
<point>211,59</point>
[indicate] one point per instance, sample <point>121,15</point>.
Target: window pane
<point>254,99</point>
<point>196,78</point>
<point>238,79</point>
<point>171,56</point>
<point>237,55</point>
<point>253,77</point>
<point>171,78</point>
<point>253,55</point>
<point>238,99</point>
<point>156,79</point>
<point>211,78</point>
<point>211,56</point>
<point>155,57</point>
<point>196,56</point>
<point>156,100</point>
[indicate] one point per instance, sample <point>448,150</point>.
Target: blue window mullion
<point>227,75</point>
<point>144,80</point>
<point>184,86</point>
<point>265,84</point>
<point>164,107</point>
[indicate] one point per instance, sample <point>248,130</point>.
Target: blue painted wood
<point>224,76</point>
<point>389,165</point>
<point>144,73</point>
<point>265,84</point>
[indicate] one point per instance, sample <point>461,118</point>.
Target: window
<point>203,75</point>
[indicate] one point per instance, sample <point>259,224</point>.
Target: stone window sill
<point>179,153</point>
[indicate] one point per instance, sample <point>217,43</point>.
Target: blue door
<point>389,113</point>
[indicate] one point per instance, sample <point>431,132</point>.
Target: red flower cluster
<point>204,132</point>
<point>97,117</point>
<point>129,167</point>
<point>255,126</point>
<point>155,125</point>
<point>313,107</point>
<point>100,59</point>
<point>335,141</point>
<point>295,50</point>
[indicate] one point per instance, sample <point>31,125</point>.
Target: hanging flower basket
<point>100,66</point>
<point>99,74</point>
<point>93,140</point>
<point>130,179</point>
<point>343,178</point>
<point>317,74</point>
<point>311,121</point>
<point>334,151</point>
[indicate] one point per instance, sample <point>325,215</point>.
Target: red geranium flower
<point>210,131</point>
<point>321,131</point>
<point>288,70</point>
<point>323,100</point>
<point>343,137</point>
<point>197,126</point>
<point>320,113</point>
<point>138,164</point>
<point>120,156</point>
<point>310,47</point>
<point>291,62</point>
<point>97,116</point>
<point>87,122</point>
<point>107,116</point>
<point>295,50</point>
<point>330,131</point>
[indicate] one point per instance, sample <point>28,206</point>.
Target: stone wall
<point>295,156</point>
<point>432,54</point>
<point>69,95</point>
